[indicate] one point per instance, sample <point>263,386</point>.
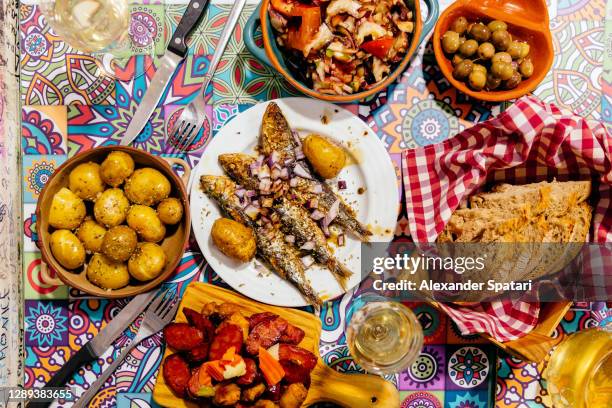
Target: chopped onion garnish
<point>342,184</point>
<point>294,182</point>
<point>313,203</point>
<point>290,239</point>
<point>264,172</point>
<point>255,203</point>
<point>317,188</point>
<point>240,192</point>
<point>274,351</point>
<point>325,230</point>
<point>331,214</point>
<point>276,173</point>
<point>265,185</point>
<point>307,260</point>
<point>260,159</point>
<point>296,137</point>
<point>251,211</point>
<point>254,168</point>
<point>341,240</point>
<point>251,193</point>
<point>265,220</point>
<point>300,170</point>
<point>288,161</point>
<point>274,158</point>
<point>317,215</point>
<point>308,246</point>
<point>299,154</point>
<point>284,174</point>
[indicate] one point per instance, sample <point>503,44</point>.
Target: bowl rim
<point>498,96</point>
<point>380,86</point>
<point>61,272</point>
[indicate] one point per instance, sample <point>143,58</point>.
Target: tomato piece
<point>379,47</point>
<point>311,21</point>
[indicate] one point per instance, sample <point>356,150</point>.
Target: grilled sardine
<point>276,133</point>
<point>237,165</point>
<point>271,245</point>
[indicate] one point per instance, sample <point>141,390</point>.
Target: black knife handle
<point>60,378</point>
<point>193,14</point>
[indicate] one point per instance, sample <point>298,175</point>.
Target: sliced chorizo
<point>292,335</point>
<point>251,374</point>
<point>176,374</point>
<point>227,336</point>
<point>297,355</point>
<point>199,353</point>
<point>257,318</point>
<point>201,322</point>
<point>182,336</point>
<point>265,334</point>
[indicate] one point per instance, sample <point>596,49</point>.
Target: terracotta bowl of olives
<point>494,50</point>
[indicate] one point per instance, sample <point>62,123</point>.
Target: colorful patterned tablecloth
<point>67,108</point>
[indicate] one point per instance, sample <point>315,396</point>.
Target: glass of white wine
<point>97,27</point>
<point>384,337</point>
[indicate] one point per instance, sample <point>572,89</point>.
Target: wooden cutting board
<point>347,390</point>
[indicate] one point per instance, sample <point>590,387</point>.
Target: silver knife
<point>175,53</point>
<point>98,345</point>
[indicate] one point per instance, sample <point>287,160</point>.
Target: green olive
<point>524,49</point>
<point>486,50</point>
<point>479,68</point>
<point>526,68</point>
<point>457,59</point>
<point>477,80</point>
<point>501,39</point>
<point>480,32</point>
<point>513,81</point>
<point>450,42</point>
<point>459,25</point>
<point>502,70</point>
<point>514,49</point>
<point>468,48</point>
<point>463,69</point>
<point>496,25</point>
<point>501,57</point>
<point>493,82</point>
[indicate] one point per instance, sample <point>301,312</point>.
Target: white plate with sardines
<point>285,195</point>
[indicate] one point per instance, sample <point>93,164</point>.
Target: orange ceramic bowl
<point>272,55</point>
<point>527,21</point>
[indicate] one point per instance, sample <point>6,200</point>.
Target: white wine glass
<point>384,337</point>
<point>97,27</point>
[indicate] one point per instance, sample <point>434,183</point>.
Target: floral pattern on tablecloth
<point>68,109</point>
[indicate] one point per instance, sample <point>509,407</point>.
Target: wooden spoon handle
<point>351,390</point>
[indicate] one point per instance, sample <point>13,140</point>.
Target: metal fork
<point>194,115</point>
<point>158,315</point>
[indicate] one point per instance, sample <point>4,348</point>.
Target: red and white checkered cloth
<point>531,141</point>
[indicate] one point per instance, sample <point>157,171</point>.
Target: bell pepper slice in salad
<point>379,47</point>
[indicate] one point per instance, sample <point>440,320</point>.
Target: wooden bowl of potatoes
<point>113,221</point>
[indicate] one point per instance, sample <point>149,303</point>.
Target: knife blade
<point>98,345</point>
<point>175,53</point>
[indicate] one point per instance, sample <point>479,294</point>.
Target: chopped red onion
<point>313,204</point>
<point>296,137</point>
<point>254,168</point>
<point>325,230</point>
<point>300,170</point>
<point>342,184</point>
<point>251,211</point>
<point>308,246</point>
<point>265,185</point>
<point>307,260</point>
<point>290,239</point>
<point>255,203</point>
<point>317,215</point>
<point>331,214</point>
<point>260,159</point>
<point>341,240</point>
<point>294,182</point>
<point>265,220</point>
<point>264,172</point>
<point>274,158</point>
<point>240,192</point>
<point>299,154</point>
<point>251,193</point>
<point>317,188</point>
<point>284,174</point>
<point>288,161</point>
<point>276,173</point>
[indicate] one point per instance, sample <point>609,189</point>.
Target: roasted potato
<point>327,158</point>
<point>147,261</point>
<point>147,186</point>
<point>111,207</point>
<point>119,243</point>
<point>146,223</point>
<point>234,239</point>
<point>170,210</point>
<point>85,181</point>
<point>67,210</point>
<point>67,249</point>
<point>226,395</point>
<point>294,396</point>
<point>116,168</point>
<point>106,273</point>
<point>91,234</point>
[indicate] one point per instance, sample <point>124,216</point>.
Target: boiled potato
<point>147,186</point>
<point>170,210</point>
<point>106,273</point>
<point>91,234</point>
<point>326,158</point>
<point>234,239</point>
<point>111,207</point>
<point>85,181</point>
<point>119,243</point>
<point>146,223</point>
<point>67,249</point>
<point>117,167</point>
<point>67,210</point>
<point>147,262</point>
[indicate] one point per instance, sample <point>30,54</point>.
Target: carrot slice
<point>271,369</point>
